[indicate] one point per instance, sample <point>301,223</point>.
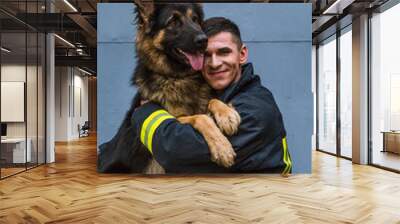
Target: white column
<point>50,93</point>
<point>360,90</point>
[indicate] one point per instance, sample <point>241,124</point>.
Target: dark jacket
<point>260,143</point>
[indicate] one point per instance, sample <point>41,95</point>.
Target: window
<point>346,92</point>
<point>327,95</point>
<point>385,88</point>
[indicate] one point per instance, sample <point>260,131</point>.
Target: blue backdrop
<point>279,40</point>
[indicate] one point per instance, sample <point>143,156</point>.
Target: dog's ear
<point>199,10</point>
<point>144,10</point>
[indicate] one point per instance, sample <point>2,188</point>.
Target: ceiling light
<point>65,41</point>
<point>79,51</point>
<point>337,7</point>
<point>5,50</point>
<point>330,8</point>
<point>70,5</point>
<point>86,72</point>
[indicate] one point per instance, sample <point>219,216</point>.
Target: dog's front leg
<point>220,148</point>
<point>227,118</point>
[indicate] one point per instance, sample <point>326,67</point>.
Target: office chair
<point>84,130</point>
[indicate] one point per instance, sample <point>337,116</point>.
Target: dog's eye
<point>173,21</point>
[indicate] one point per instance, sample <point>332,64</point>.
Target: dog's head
<point>170,38</point>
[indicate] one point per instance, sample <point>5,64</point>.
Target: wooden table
<point>391,141</point>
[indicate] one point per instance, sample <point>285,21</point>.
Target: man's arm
<point>179,145</point>
<point>172,144</point>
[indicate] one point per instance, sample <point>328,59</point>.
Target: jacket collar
<point>246,77</point>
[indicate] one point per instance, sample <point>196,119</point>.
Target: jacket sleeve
<point>172,144</point>
<point>121,154</point>
<point>260,144</point>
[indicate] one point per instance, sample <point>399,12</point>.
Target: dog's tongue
<point>196,60</point>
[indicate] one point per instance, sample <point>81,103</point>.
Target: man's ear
<point>144,10</point>
<point>244,53</point>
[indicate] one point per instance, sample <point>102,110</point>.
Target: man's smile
<point>217,74</point>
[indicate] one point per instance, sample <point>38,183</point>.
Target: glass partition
<point>13,105</point>
<point>22,78</point>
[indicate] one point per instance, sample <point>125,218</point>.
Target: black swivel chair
<point>84,130</point>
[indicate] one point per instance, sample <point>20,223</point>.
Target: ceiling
<point>76,22</point>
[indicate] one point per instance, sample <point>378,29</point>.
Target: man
<point>260,143</point>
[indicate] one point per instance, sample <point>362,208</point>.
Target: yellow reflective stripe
<point>153,130</point>
<point>286,157</point>
<point>150,125</point>
<point>147,121</point>
<point>146,135</point>
<point>289,160</point>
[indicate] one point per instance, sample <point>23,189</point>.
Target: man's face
<point>222,60</point>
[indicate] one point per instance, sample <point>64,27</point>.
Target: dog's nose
<point>201,40</point>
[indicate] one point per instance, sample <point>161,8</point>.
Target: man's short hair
<point>216,25</point>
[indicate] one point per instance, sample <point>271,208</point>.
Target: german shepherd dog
<point>170,46</point>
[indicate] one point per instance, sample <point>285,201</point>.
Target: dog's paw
<point>222,152</point>
<point>227,119</point>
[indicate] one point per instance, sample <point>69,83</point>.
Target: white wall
<point>12,101</point>
<point>71,94</point>
<point>61,103</point>
<point>14,73</point>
